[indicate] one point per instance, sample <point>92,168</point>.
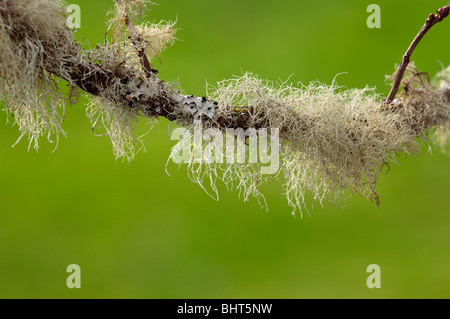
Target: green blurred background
<point>138,233</point>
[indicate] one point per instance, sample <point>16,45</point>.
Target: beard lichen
<point>31,95</point>
<point>333,142</point>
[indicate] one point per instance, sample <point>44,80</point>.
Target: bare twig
<point>432,19</point>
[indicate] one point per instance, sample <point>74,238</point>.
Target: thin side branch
<point>432,19</point>
<point>134,37</point>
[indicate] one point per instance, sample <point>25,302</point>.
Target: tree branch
<point>331,141</point>
<point>432,19</point>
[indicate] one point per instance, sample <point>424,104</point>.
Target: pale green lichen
<point>333,141</point>
<point>31,94</point>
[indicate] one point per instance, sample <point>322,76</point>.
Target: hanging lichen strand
<point>333,142</point>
